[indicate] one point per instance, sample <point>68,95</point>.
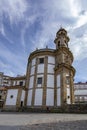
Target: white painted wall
<point>39,75</point>
<point>38,97</point>
<point>80,92</point>
<point>17,82</point>
<point>50,81</point>
<point>81,86</point>
<point>31,82</point>
<point>51,59</point>
<point>40,68</point>
<point>23,82</point>
<point>23,95</point>
<point>11,101</point>
<point>58,97</point>
<point>34,61</point>
<point>68,91</point>
<point>50,97</point>
<point>29,99</point>
<point>51,68</point>
<point>14,83</point>
<point>58,80</point>
<point>32,70</point>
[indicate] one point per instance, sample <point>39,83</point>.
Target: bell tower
<point>61,39</point>
<point>64,71</point>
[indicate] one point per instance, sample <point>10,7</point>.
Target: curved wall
<point>41,80</point>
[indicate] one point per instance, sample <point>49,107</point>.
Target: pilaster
<point>27,82</point>
<point>45,81</point>
<point>63,88</point>
<point>34,84</point>
<point>19,97</point>
<point>71,89</point>
<point>55,89</point>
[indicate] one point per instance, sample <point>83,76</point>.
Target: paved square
<point>32,121</point>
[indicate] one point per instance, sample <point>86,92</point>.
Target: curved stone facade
<point>49,78</point>
<point>41,78</point>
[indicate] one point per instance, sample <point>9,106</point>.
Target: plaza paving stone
<point>48,121</point>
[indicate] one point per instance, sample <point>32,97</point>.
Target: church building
<point>49,77</point>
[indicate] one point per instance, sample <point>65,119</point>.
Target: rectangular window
<point>41,60</point>
<point>21,83</point>
<point>39,80</point>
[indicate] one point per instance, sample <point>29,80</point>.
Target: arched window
<point>58,43</point>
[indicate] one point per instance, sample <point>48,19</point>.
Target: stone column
<point>45,81</point>
<point>63,88</point>
<point>71,89</point>
<point>34,84</point>
<point>55,89</point>
<point>19,97</point>
<point>27,82</point>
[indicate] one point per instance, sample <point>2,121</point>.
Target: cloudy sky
<point>29,24</point>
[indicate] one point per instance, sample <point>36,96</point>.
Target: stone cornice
<point>41,52</point>
<point>51,52</point>
<point>18,78</point>
<point>67,66</point>
<point>15,87</point>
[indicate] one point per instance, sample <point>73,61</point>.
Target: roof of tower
<point>61,30</point>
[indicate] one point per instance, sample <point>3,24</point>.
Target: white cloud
<point>28,22</point>
<point>82,20</point>
<point>51,20</point>
<point>12,62</point>
<point>14,9</point>
<point>74,8</point>
<point>78,42</point>
<point>77,10</point>
<point>2,29</point>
